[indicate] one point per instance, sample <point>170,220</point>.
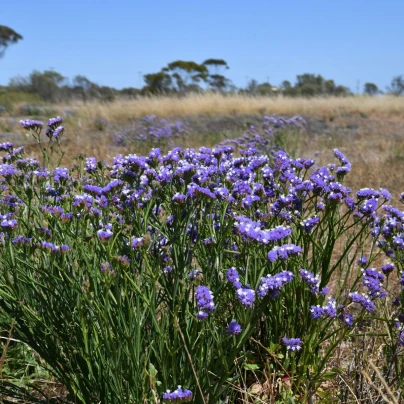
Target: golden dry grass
<point>213,104</point>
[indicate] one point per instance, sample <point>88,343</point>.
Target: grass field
<point>369,131</point>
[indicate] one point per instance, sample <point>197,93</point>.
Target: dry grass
<point>214,104</point>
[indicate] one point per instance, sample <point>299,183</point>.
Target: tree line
<point>177,78</point>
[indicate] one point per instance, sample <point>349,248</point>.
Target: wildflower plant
<point>175,269</point>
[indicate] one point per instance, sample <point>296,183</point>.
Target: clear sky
<point>114,42</point>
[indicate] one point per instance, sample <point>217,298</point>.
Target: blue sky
<point>115,42</point>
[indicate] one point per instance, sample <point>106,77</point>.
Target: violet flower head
<point>292,344</point>
<point>104,235</point>
<point>204,300</point>
<point>10,224</point>
<point>54,122</point>
<point>272,284</point>
<point>363,300</point>
<point>330,309</point>
<point>91,164</point>
<point>233,277</point>
<point>313,281</point>
<point>310,223</point>
<point>388,268</point>
<point>246,296</point>
<point>180,395</point>
<point>30,124</point>
<point>284,252</point>
<point>233,328</point>
<point>58,132</point>
<point>347,319</point>
<point>316,312</point>
<point>137,242</point>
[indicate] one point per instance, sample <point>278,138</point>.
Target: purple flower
<point>104,235</point>
<point>233,328</point>
<point>58,132</point>
<point>137,242</point>
<point>385,194</point>
<point>60,173</point>
<point>91,164</point>
<point>195,274</point>
<point>362,261</point>
<point>204,299</point>
<point>347,319</point>
<point>272,284</point>
<point>313,281</point>
<point>31,124</point>
<point>54,122</point>
<point>367,193</point>
<point>9,224</point>
<point>386,269</point>
<point>246,296</point>
<point>368,207</point>
<point>316,312</point>
<point>330,309</point>
<point>292,344</point>
<point>179,198</point>
<point>201,315</point>
<point>363,300</point>
<point>309,224</point>
<point>233,278</point>
<point>284,252</point>
<point>6,146</point>
<point>179,395</point>
<point>372,279</point>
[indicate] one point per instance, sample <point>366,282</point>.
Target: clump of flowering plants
<point>158,277</point>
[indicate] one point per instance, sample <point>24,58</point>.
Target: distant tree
<point>157,83</point>
<point>84,88</point>
<point>216,79</point>
<point>185,73</point>
<point>7,38</point>
<point>219,82</point>
<point>370,89</point>
<point>130,92</point>
<point>329,87</point>
<point>342,91</point>
<point>252,86</point>
<point>396,86</point>
<point>286,84</point>
<point>20,84</point>
<point>264,89</point>
<point>47,84</point>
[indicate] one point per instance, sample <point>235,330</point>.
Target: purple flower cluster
<point>204,301</point>
<point>346,165</point>
<point>272,284</point>
<point>313,281</point>
<point>233,277</point>
<point>373,280</point>
<point>180,395</point>
<point>251,230</point>
<point>328,310</point>
<point>150,129</point>
<point>264,138</point>
<point>292,344</point>
<point>30,124</point>
<point>310,223</point>
<point>233,328</point>
<point>363,300</point>
<point>246,296</point>
<point>284,252</point>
